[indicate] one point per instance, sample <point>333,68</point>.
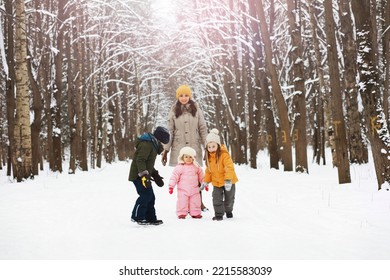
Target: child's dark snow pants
<point>144,206</point>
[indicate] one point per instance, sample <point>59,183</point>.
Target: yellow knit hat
<point>183,89</point>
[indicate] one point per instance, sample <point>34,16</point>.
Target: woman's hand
<point>164,157</point>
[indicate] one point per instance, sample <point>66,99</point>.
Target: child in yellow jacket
<point>220,172</point>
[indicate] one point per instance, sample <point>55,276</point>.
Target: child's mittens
<point>228,185</point>
<point>157,178</point>
<point>170,190</point>
<point>204,186</point>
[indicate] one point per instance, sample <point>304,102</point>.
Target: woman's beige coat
<point>186,130</point>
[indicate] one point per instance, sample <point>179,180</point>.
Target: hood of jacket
<point>150,138</point>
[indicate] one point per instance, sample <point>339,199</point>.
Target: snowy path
<point>277,215</point>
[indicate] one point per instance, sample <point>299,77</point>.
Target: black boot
<point>155,222</point>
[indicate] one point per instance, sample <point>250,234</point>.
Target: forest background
<point>80,80</point>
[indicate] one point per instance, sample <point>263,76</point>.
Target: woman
<point>187,127</point>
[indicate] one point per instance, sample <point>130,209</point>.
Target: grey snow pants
<point>223,201</point>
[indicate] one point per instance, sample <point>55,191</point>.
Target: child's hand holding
<point>204,186</point>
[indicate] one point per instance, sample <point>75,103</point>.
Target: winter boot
<point>229,215</point>
<point>197,216</point>
<point>142,222</point>
<point>155,222</point>
<point>217,218</point>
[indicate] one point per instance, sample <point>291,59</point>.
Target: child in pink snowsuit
<point>187,175</point>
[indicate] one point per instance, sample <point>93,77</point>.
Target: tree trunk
<point>110,129</point>
<point>10,84</point>
<point>299,100</point>
<point>378,132</point>
<point>99,142</point>
<point>386,58</point>
<point>254,88</point>
<point>46,72</point>
<point>37,107</point>
<point>340,137</point>
<point>71,94</point>
<point>55,110</point>
<point>78,91</point>
<point>322,100</point>
<point>272,140</point>
<point>2,139</point>
<point>125,115</point>
<point>277,91</point>
<point>99,115</point>
<point>263,94</point>
<point>83,149</point>
<point>37,102</point>
<point>357,147</point>
<point>240,87</point>
<point>231,105</point>
<point>118,132</point>
<point>92,106</point>
<point>22,156</point>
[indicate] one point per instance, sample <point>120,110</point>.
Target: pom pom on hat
<point>183,90</point>
<point>162,134</point>
<point>186,151</point>
<point>213,136</point>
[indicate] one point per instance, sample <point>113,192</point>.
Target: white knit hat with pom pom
<point>213,136</point>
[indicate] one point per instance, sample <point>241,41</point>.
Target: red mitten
<point>204,186</point>
<point>170,190</point>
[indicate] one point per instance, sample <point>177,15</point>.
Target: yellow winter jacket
<point>220,169</point>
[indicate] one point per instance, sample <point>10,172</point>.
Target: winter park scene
<point>194,130</point>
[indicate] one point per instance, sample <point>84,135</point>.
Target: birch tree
<point>22,156</point>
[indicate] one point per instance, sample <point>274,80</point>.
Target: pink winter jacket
<point>186,177</point>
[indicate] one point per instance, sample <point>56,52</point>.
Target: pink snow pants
<point>188,204</point>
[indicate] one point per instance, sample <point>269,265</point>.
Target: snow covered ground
<point>277,216</point>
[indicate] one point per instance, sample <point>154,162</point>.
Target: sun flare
<point>164,9</point>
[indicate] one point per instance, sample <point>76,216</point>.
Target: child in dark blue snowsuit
<point>142,170</point>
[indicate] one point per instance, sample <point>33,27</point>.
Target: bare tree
<point>55,109</point>
<point>277,91</point>
<point>357,148</point>
<point>10,83</point>
<point>320,100</point>
<point>386,55</point>
<point>254,85</point>
<point>378,132</point>
<point>340,136</point>
<point>299,96</point>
